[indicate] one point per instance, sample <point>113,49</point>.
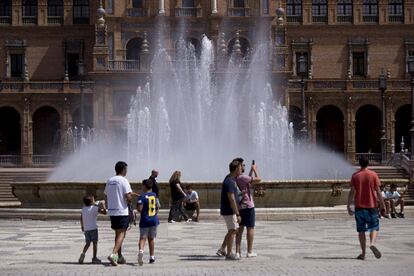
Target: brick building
<point>345,45</point>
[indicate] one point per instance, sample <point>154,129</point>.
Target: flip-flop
<point>376,252</point>
<point>361,257</point>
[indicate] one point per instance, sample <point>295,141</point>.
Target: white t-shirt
<point>116,188</point>
<point>393,195</point>
<point>89,215</point>
<point>192,196</point>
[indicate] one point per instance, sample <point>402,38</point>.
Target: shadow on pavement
<point>200,258</point>
<point>330,258</point>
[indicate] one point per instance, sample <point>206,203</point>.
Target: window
<point>55,11</point>
<point>29,11</point>
<point>111,46</point>
<point>5,8</point>
<point>238,3</point>
<point>16,65</point>
<point>396,11</point>
<point>138,4</point>
<point>265,6</point>
<point>305,55</point>
<point>294,10</point>
<point>110,6</point>
<point>319,11</point>
<point>72,60</point>
<point>80,11</point>
<point>188,4</point>
<point>370,10</point>
<point>358,64</point>
<point>344,8</point>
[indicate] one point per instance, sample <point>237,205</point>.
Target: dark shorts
<point>191,206</point>
<point>367,219</point>
<point>91,235</point>
<point>248,217</point>
<point>119,222</point>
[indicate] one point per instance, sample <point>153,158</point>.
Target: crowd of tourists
<point>237,209</point>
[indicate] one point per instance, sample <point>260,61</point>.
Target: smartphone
<point>253,162</point>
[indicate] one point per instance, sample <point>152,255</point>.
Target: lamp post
<point>302,70</point>
<point>410,67</point>
<point>382,83</point>
<point>81,73</point>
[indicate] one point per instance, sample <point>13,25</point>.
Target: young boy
<point>89,226</point>
<point>148,208</point>
<point>395,200</point>
<point>192,203</point>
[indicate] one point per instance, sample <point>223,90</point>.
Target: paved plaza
<point>310,247</point>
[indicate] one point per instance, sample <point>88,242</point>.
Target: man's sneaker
<point>393,215</point>
<point>401,215</point>
<point>140,258</point>
<point>238,255</point>
<point>171,221</point>
<point>152,260</point>
<point>251,255</point>
<point>113,259</point>
<point>376,252</point>
<point>220,253</point>
<point>96,261</point>
<point>232,257</point>
<point>81,258</point>
<point>189,220</point>
<point>121,260</point>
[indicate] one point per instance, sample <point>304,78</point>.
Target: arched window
<point>55,11</point>
<point>294,10</point>
<point>396,10</point>
<point>80,11</point>
<point>5,11</point>
<point>133,54</point>
<point>319,11</point>
<point>344,8</point>
<point>370,10</point>
<point>29,11</point>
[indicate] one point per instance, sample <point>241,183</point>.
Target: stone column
<point>382,12</point>
<point>213,6</point>
<point>67,12</point>
<point>42,12</point>
<point>16,13</point>
<point>350,131</point>
<point>27,135</point>
<point>161,7</point>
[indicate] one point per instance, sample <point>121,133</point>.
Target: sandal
<point>361,257</point>
<point>376,252</point>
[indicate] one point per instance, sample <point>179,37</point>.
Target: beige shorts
<point>231,222</point>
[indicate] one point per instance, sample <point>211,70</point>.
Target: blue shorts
<point>119,222</point>
<point>91,235</point>
<point>367,219</point>
<point>248,217</point>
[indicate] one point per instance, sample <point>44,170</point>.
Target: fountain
<point>195,117</point>
<point>196,113</point>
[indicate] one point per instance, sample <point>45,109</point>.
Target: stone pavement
<point>311,247</point>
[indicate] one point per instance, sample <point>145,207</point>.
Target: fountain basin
<point>283,193</point>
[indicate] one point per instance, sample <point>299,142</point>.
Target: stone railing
<point>374,158</point>
<point>370,18</point>
<point>239,12</point>
<point>320,19</point>
<point>10,160</point>
<point>124,65</point>
<point>286,193</point>
<point>29,20</point>
<point>349,84</point>
<point>5,20</point>
<point>55,20</point>
<point>396,18</point>
<point>44,159</point>
<point>188,12</point>
<point>344,18</point>
<point>136,12</point>
<point>295,19</point>
<point>43,86</point>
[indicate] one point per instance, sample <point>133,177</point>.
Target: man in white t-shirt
<point>119,194</point>
<point>192,203</point>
